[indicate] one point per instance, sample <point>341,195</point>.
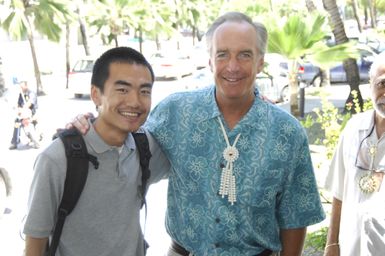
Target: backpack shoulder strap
<point>76,176</point>
<point>142,145</point>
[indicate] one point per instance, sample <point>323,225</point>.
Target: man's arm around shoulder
<point>35,246</point>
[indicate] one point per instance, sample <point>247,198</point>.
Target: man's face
<point>378,90</point>
<point>235,60</point>
<point>24,86</point>
<point>126,101</point>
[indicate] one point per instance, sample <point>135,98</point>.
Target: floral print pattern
<point>276,187</point>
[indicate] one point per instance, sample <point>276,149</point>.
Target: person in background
<point>25,119</point>
<point>242,180</point>
<point>355,178</point>
<point>106,219</point>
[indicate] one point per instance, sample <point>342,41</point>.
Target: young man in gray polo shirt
<point>106,219</point>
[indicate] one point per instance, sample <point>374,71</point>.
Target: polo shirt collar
<point>100,146</point>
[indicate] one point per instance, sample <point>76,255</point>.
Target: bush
<point>332,121</point>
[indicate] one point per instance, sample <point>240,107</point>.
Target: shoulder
<point>360,121</point>
<point>364,118</point>
<point>54,152</point>
<point>282,120</point>
<point>196,97</point>
<point>190,105</point>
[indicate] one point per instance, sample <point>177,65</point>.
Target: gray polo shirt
<point>106,220</point>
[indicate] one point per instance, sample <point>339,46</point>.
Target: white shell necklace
<point>230,154</point>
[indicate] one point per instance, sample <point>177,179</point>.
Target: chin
<point>380,110</point>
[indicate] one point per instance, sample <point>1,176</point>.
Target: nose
<point>233,64</point>
<point>133,99</point>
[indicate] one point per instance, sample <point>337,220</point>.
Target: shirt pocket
<point>261,189</point>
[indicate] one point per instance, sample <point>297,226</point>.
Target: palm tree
<point>26,17</point>
<point>82,25</point>
<point>350,65</point>
<point>372,13</point>
<point>300,39</point>
<point>310,5</point>
<point>110,17</point>
<point>356,15</point>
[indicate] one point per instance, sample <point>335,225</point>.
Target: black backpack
<point>77,171</point>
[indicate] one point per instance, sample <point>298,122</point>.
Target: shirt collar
<point>100,146</point>
<point>367,120</point>
<point>211,103</point>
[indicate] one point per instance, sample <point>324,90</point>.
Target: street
<point>56,109</point>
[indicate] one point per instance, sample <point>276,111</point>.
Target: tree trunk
<point>140,39</point>
<point>350,65</point>
<point>2,82</point>
<point>325,77</point>
<point>116,40</point>
<point>177,25</point>
<point>193,34</point>
<point>68,63</point>
<point>310,5</point>
<point>157,42</point>
<point>372,14</point>
<point>356,16</point>
<point>366,15</point>
<point>39,86</point>
<point>83,31</point>
<point>293,88</point>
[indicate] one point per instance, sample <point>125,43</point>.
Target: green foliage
<point>332,121</point>
<point>46,15</point>
<point>316,241</point>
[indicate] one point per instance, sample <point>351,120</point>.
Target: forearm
<point>35,246</point>
<point>292,241</point>
<point>332,242</point>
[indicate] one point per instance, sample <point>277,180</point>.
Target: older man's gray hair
<point>239,17</point>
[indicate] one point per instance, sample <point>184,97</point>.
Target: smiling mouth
<point>232,80</point>
<point>129,114</point>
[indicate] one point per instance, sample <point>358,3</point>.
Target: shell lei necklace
<point>230,154</point>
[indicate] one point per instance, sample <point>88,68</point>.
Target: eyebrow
<point>248,51</point>
<point>125,83</point>
<point>242,51</point>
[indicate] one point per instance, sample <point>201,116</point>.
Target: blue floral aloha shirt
<point>275,182</point>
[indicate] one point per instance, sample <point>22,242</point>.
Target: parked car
<point>79,78</point>
<point>170,65</point>
<point>310,74</point>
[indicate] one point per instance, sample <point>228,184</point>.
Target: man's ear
<point>96,95</point>
<point>260,64</point>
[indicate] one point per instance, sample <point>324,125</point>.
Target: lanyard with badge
<point>371,179</point>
